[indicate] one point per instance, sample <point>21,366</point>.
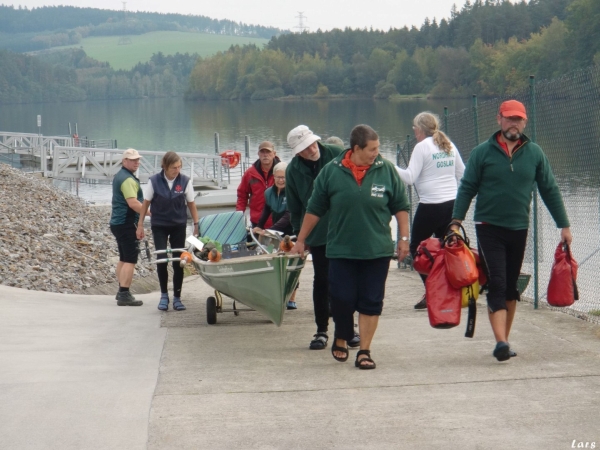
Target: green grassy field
<point>141,48</point>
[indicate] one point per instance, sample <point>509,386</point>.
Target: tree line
<point>24,30</point>
<point>487,48</point>
<point>70,75</point>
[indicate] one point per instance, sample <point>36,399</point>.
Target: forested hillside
<point>23,30</point>
<point>487,48</point>
<point>72,76</point>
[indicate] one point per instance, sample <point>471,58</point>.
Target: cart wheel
<point>211,310</point>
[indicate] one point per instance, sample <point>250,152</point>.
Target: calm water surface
<point>173,124</point>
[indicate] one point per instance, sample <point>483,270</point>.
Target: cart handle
<point>258,243</point>
<point>169,250</point>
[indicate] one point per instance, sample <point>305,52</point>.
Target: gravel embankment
<point>51,240</point>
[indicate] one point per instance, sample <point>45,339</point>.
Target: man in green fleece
<point>359,191</point>
<point>503,173</point>
<point>310,156</point>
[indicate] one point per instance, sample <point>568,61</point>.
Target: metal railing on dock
<point>103,164</point>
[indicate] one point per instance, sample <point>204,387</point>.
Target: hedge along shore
<point>52,241</point>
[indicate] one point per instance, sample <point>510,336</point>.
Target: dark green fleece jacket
<point>504,185</point>
<point>359,216</point>
<point>299,182</point>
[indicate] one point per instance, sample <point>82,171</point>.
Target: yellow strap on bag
<point>469,299</point>
<point>469,291</point>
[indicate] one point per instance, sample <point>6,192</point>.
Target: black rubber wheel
<point>211,310</point>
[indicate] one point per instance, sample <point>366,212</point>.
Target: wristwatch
<point>404,238</point>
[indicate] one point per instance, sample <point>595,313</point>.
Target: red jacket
<point>253,187</point>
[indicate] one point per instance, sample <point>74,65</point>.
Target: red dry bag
<point>425,255</point>
<point>443,300</point>
<point>461,268</point>
<point>562,288</point>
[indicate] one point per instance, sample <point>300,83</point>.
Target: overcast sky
<point>323,14</point>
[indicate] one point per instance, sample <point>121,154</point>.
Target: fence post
<point>247,154</point>
<point>216,153</point>
<point>398,150</point>
<point>531,121</point>
<point>446,119</point>
<point>410,215</point>
<point>43,159</point>
<point>475,120</point>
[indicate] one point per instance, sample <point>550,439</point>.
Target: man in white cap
<point>310,156</point>
<point>127,201</point>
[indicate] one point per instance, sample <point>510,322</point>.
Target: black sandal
<point>336,348</point>
<point>359,362</point>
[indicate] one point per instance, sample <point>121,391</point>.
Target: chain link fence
<point>564,119</point>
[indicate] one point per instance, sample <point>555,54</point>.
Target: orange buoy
<point>230,158</point>
<point>214,255</point>
<point>287,244</point>
<point>185,258</point>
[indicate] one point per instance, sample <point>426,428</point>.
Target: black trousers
<point>175,235</point>
<point>356,285</point>
<point>321,287</point>
<point>430,219</point>
<point>502,251</point>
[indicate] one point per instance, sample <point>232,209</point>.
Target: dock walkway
<point>80,372</point>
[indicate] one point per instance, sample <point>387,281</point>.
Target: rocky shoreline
<point>52,241</point>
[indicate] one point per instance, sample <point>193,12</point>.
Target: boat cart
<point>257,275</point>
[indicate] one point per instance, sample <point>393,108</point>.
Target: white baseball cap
<point>131,153</point>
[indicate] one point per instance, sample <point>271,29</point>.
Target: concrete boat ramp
<point>78,372</point>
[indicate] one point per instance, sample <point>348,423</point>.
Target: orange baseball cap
<point>512,108</point>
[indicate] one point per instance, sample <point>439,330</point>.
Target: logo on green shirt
<point>377,190</point>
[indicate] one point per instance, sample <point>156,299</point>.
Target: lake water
<point>173,124</point>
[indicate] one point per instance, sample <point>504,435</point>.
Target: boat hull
<point>264,283</point>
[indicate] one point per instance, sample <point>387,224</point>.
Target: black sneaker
<point>319,342</point>
<point>502,351</point>
<point>126,299</point>
<point>422,303</point>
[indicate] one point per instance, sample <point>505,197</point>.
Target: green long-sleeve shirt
<point>299,182</point>
<point>359,216</point>
<point>504,185</point>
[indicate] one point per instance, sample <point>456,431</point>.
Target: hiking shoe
<point>502,351</point>
<point>163,304</point>
<point>126,299</point>
<point>319,342</point>
<point>291,305</point>
<point>355,341</point>
<point>422,304</point>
